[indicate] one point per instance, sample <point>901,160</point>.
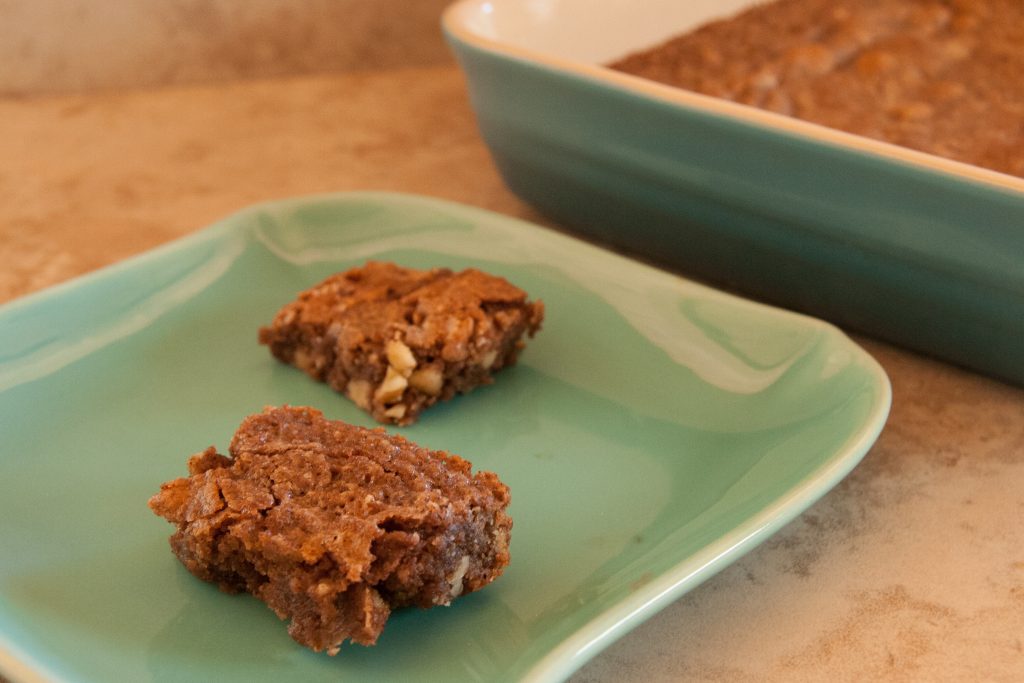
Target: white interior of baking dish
<point>601,30</point>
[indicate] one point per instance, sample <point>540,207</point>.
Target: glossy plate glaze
<point>915,249</point>
<point>653,432</point>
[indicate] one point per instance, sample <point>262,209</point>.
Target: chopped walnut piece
<point>428,380</point>
<point>392,388</point>
<point>396,411</point>
<point>360,391</point>
<point>400,357</point>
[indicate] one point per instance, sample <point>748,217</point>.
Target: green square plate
<point>652,433</point>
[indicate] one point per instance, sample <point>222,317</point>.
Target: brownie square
<point>397,340</point>
<point>334,525</point>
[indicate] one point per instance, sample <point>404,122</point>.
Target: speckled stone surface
<point>911,570</point>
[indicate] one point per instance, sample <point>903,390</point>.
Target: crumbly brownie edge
<point>236,534</point>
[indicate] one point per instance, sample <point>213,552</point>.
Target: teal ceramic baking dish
<point>917,250</point>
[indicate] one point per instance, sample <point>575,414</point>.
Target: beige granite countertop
<point>912,569</point>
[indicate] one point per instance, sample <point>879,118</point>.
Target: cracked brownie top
<point>333,525</point>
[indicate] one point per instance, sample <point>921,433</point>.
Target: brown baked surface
<point>334,525</point>
<point>396,340</point>
<point>938,76</point>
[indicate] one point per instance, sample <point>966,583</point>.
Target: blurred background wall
<point>59,46</point>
